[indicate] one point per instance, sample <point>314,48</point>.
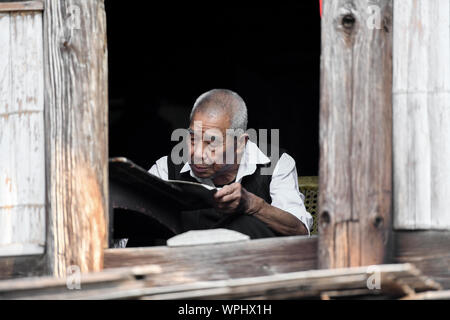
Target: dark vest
<point>256,183</point>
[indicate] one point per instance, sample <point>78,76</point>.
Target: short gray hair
<point>218,101</point>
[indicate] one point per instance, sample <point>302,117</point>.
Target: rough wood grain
<point>221,261</point>
<point>430,295</point>
<point>22,157</point>
<point>21,6</point>
<point>22,266</point>
<point>355,134</point>
<point>76,133</point>
<point>421,115</point>
<point>136,282</point>
<point>429,251</point>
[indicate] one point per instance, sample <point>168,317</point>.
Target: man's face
<point>209,144</point>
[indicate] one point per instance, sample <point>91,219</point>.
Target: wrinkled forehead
<point>208,134</point>
<point>203,121</point>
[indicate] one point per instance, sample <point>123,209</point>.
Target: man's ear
<point>245,137</point>
<point>241,142</point>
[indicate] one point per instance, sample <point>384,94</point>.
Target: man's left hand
<point>232,198</point>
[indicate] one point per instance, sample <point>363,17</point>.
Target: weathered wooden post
<point>76,98</point>
<point>355,133</point>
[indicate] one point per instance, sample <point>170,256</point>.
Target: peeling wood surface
<point>355,134</point>
<point>221,261</point>
<point>76,111</point>
<point>22,142</point>
<point>22,6</point>
<point>421,114</point>
<point>396,281</point>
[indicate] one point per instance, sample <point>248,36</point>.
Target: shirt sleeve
<point>285,192</point>
<point>160,169</point>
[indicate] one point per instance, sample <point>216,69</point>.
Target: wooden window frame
<point>340,224</point>
<point>77,157</point>
<point>355,177</point>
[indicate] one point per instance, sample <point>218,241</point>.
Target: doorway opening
<point>163,57</point>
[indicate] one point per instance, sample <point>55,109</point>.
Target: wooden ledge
<point>396,281</point>
<point>220,261</point>
<point>428,250</point>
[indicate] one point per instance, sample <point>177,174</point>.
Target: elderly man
<point>249,201</point>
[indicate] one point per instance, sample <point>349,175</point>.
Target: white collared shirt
<point>283,186</point>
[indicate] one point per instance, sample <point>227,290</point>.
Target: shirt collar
<point>250,159</point>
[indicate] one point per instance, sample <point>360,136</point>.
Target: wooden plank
<point>221,261</point>
<point>21,6</point>
<point>76,133</point>
<point>27,77</point>
<point>23,230</point>
<point>355,134</point>
<point>22,162</point>
<point>136,282</point>
<point>428,250</point>
<point>351,293</point>
<point>5,62</point>
<point>421,116</point>
<point>22,266</point>
<point>287,286</point>
<point>431,295</point>
<point>92,284</point>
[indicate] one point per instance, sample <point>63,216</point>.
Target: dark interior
<point>161,58</point>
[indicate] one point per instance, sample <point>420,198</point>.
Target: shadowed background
<point>161,58</point>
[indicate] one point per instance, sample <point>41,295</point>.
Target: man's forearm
<point>234,198</point>
<point>279,220</point>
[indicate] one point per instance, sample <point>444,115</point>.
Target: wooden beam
<point>22,266</point>
<point>221,261</point>
<point>76,106</point>
<point>355,133</point>
<point>427,250</point>
<point>421,116</point>
<point>22,6</point>
<point>430,295</point>
<point>136,282</point>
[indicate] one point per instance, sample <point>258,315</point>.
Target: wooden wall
<point>22,138</point>
<point>53,137</point>
<point>421,117</point>
<point>421,136</point>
